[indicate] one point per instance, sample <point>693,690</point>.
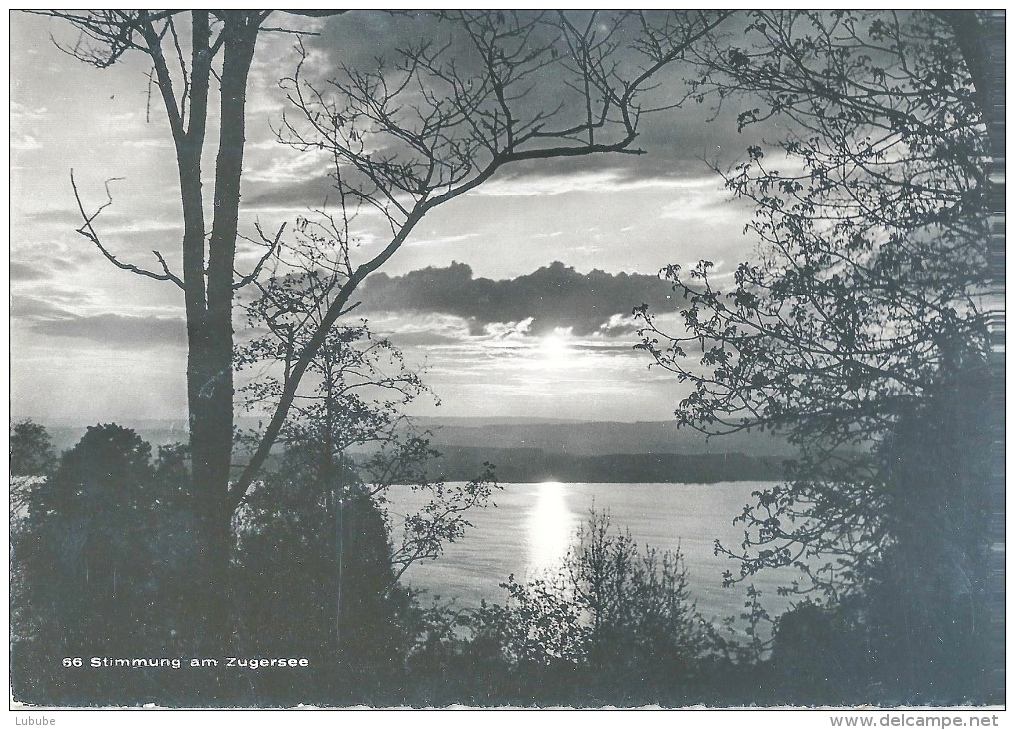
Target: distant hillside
<point>458,463</point>
<point>598,438</point>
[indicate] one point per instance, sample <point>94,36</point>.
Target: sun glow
<point>555,351</point>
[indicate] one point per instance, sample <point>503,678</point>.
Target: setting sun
<point>555,351</point>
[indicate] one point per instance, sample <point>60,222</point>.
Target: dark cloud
<point>118,329</point>
<point>553,296</point>
<point>125,331</point>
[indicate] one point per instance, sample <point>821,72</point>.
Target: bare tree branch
<point>88,231</point>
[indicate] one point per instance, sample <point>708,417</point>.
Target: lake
<point>532,525</point>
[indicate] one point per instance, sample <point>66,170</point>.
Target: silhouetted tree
<point>322,505</point>
<point>862,315</point>
<point>32,458</point>
<point>923,605</point>
<point>873,256</point>
<point>101,567</point>
<point>31,449</point>
<point>314,578</point>
<point>915,631</point>
<point>208,279</point>
<point>348,416</point>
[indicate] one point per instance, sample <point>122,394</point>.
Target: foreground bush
<point>615,624</point>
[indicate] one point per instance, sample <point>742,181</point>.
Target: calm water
<point>531,527</point>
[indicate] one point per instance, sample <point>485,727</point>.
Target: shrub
<point>616,623</point>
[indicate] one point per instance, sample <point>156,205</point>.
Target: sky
<point>514,299</point>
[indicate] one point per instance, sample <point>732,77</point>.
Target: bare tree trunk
<point>210,334</point>
<point>208,283</point>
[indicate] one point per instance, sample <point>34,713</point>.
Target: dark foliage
<point>102,559</point>
<point>100,568</point>
<point>314,578</point>
<point>313,575</point>
<point>859,334</point>
<point>31,449</point>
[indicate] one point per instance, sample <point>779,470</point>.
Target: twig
<point>272,247</point>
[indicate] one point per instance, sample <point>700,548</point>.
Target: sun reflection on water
<point>550,527</point>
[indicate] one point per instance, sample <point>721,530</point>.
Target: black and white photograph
<point>508,359</point>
